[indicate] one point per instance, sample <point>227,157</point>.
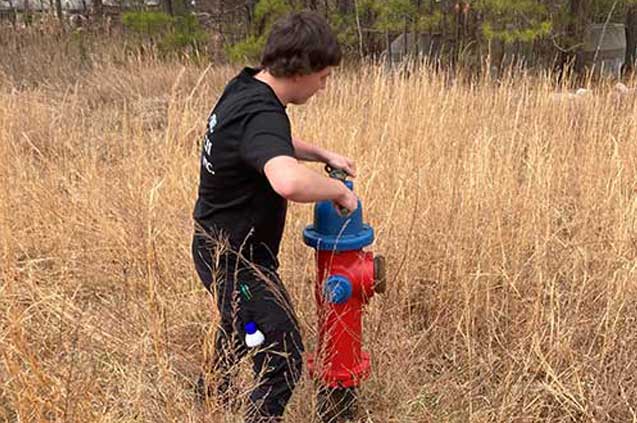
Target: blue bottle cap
<point>250,328</point>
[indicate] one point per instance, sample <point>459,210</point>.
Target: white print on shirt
<point>212,122</point>
<point>206,157</point>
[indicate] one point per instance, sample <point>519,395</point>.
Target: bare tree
<point>576,29</point>
<point>631,38</point>
<point>168,5</point>
<point>345,6</point>
<point>250,5</point>
<point>58,11</point>
<point>12,13</point>
<point>98,8</point>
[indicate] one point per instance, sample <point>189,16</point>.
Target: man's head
<point>301,48</point>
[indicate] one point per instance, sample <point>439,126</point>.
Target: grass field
<point>508,220</point>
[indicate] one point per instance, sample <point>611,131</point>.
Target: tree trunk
<point>575,36</point>
<point>28,18</point>
<point>406,40</point>
<point>250,6</point>
<point>98,8</point>
<point>460,29</point>
<point>12,14</point>
<point>631,39</point>
<point>577,29</point>
<point>58,10</point>
<point>390,57</point>
<point>345,6</point>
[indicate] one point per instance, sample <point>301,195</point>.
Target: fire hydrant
<point>347,278</point>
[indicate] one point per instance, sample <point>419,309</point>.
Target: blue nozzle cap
<point>337,289</point>
<point>250,328</point>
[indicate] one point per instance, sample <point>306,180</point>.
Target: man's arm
<point>312,153</point>
<point>295,182</point>
<point>308,152</point>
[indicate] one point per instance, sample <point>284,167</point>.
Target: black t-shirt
<point>247,127</point>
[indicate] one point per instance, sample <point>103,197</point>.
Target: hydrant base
<point>349,378</point>
<point>334,405</point>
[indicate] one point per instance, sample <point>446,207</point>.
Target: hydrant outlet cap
<point>337,289</point>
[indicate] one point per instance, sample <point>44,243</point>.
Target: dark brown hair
<point>299,44</point>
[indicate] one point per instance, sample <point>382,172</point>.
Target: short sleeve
<point>266,135</point>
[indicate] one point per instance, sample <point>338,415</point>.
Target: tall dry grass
<point>508,221</point>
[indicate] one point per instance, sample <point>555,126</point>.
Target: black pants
<point>251,292</point>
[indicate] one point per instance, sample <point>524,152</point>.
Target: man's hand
<point>295,182</point>
<point>347,200</point>
<point>312,153</point>
<point>337,161</point>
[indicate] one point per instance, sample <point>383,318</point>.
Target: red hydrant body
<point>339,359</point>
<point>347,277</point>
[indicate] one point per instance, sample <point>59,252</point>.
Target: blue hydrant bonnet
<point>331,231</point>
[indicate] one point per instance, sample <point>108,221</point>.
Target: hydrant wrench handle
<point>341,175</point>
<point>336,173</point>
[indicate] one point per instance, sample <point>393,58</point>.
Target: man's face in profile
<point>308,85</point>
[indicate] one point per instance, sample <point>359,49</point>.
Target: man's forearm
<point>310,187</point>
<point>298,183</point>
<point>308,152</point>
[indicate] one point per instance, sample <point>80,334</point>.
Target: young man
<point>249,169</point>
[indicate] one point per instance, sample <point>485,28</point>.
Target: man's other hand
<point>337,161</point>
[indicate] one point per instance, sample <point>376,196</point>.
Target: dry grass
<point>508,221</point>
